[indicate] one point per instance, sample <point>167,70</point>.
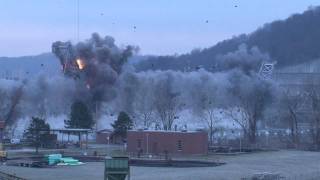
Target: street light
<point>147,143</point>
<point>240,141</point>
<point>267,138</point>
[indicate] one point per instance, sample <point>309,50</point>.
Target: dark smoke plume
<point>95,64</point>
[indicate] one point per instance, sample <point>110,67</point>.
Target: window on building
<point>179,145</point>
<point>139,143</point>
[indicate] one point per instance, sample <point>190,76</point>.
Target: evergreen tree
<point>80,116</point>
<point>37,132</point>
<point>122,125</point>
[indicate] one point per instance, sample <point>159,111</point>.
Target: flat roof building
<point>104,136</point>
<point>172,142</point>
<point>2,126</point>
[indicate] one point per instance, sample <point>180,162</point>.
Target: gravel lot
<point>288,163</point>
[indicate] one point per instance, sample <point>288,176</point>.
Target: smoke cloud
<point>95,65</point>
<point>96,72</point>
<point>244,59</point>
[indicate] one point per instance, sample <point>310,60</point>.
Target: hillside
<point>28,65</point>
<point>43,63</point>
<point>292,41</point>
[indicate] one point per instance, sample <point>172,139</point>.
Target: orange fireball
<point>80,64</point>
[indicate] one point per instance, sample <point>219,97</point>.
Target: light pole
<point>240,140</point>
<point>147,143</point>
<point>96,115</point>
<point>267,138</point>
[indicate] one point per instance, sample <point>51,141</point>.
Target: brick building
<point>104,136</point>
<point>2,126</point>
<point>172,142</point>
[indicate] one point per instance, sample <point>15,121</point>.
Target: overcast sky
<point>28,27</point>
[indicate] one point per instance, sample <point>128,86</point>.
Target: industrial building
<point>2,126</point>
<point>297,79</point>
<point>104,136</point>
<point>167,142</point>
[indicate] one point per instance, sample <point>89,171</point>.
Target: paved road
<point>288,163</point>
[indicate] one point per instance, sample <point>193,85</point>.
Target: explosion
<point>80,64</point>
<point>94,64</point>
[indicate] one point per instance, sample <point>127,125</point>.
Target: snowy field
<point>288,163</point>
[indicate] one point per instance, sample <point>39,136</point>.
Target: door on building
<point>155,148</point>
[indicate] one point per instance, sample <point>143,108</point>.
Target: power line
<point>78,19</point>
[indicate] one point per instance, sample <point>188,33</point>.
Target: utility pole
<point>96,115</point>
<point>147,143</point>
<point>240,140</point>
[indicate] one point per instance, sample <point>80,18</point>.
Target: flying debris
<point>101,14</point>
<point>207,21</point>
<point>235,5</point>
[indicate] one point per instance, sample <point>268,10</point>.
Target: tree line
<point>289,42</point>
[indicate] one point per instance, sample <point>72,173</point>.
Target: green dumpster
<point>117,168</point>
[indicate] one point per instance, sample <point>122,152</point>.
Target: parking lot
<point>287,163</point>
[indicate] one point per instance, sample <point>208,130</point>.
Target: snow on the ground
<point>186,119</point>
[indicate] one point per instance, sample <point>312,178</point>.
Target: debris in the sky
<point>42,65</point>
<point>101,14</point>
<point>236,6</point>
<point>207,21</point>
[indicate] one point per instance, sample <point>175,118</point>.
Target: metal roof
<point>72,130</point>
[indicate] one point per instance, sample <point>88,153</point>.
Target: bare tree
<point>144,108</point>
<point>5,104</point>
<point>314,99</point>
<point>291,104</point>
<point>167,103</point>
<point>205,105</point>
<point>9,108</point>
<point>240,117</point>
<point>250,96</point>
<point>9,104</point>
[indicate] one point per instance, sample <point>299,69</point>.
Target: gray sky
<point>162,26</point>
